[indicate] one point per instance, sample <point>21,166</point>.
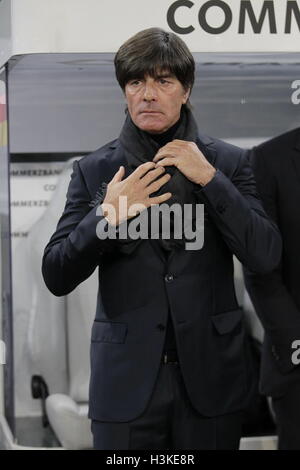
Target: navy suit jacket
<point>136,291</point>
<point>276,295</point>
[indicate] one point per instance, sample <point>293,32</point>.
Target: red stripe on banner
<point>2,112</point>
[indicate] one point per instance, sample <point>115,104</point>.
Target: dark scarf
<point>140,147</point>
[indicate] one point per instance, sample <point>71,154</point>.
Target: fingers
<point>162,154</point>
<point>156,185</point>
<point>142,170</point>
<point>159,199</point>
<point>167,162</point>
<point>119,175</point>
<point>152,175</point>
<point>170,150</point>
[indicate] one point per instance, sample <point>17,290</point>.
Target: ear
<point>186,96</point>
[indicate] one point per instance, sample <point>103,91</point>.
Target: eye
<point>163,81</point>
<point>135,82</point>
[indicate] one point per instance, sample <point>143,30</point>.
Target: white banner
<point>206,26</point>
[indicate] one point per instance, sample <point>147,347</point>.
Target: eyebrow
<point>157,77</point>
<point>165,75</point>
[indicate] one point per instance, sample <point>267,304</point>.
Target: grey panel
<point>72,102</point>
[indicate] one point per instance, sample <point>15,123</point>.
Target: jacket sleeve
<point>272,301</point>
<point>233,205</point>
<point>73,251</point>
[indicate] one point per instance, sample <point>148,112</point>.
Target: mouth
<point>150,112</point>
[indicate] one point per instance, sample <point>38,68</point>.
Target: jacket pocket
<point>228,321</point>
<point>109,332</point>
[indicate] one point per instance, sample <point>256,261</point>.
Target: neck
<point>167,136</point>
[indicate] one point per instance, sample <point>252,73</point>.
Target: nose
<point>149,92</point>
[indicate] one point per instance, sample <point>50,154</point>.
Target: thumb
<point>119,175</point>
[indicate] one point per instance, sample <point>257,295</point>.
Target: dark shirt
<point>170,341</point>
<point>163,139</point>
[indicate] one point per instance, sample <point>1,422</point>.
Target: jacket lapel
<point>114,160</point>
<point>206,146</point>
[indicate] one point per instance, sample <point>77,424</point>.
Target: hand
<point>187,157</point>
<point>136,188</point>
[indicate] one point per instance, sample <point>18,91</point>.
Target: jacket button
<point>169,277</point>
<point>221,208</point>
<point>161,327</point>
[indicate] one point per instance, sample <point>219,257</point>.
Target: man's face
<point>154,104</point>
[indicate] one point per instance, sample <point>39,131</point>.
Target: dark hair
<point>152,51</point>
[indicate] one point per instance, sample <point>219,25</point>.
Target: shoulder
<point>278,147</point>
<point>223,155</point>
<point>226,149</point>
<point>103,162</point>
<point>99,166</point>
<point>88,162</point>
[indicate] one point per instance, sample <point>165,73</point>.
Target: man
<point>168,368</point>
<point>276,295</point>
